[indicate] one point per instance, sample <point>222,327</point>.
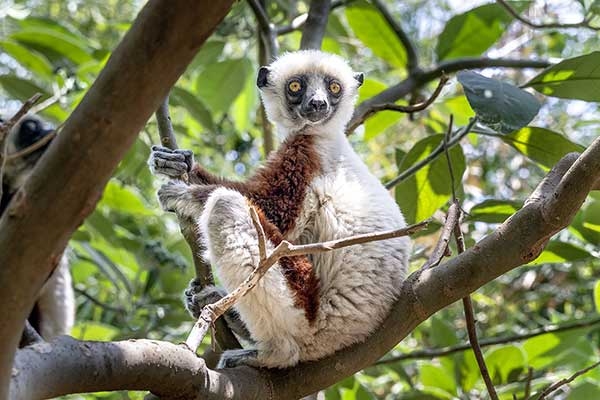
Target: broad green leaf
<point>436,377</point>
<point>94,331</point>
<point>59,42</point>
<point>584,391</point>
<point>494,211</point>
<point>244,107</point>
<point>30,59</point>
<point>219,84</point>
<point>472,33</point>
<point>586,221</point>
<point>382,120</point>
<point>183,98</point>
<point>560,252</point>
<point>423,193</point>
<point>500,105</point>
<point>574,78</point>
<point>208,54</point>
<point>375,33</point>
<point>122,199</point>
<point>502,361</point>
<point>442,332</point>
<point>591,217</point>
<point>541,145</point>
<point>539,349</point>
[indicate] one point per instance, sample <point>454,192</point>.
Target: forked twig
<point>554,387</point>
<point>212,312</point>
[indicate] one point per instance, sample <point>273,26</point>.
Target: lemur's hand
<point>170,163</point>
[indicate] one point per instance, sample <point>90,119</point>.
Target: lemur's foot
<point>196,296</point>
<point>170,163</point>
<point>176,196</point>
<point>238,357</point>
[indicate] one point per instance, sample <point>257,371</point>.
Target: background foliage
<point>130,264</point>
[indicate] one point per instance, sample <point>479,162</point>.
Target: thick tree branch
<point>513,243</point>
<point>412,57</point>
<point>68,180</point>
<point>316,23</point>
<point>418,79</point>
<point>585,23</point>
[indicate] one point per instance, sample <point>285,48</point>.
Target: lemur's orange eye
<point>295,86</point>
<point>335,87</point>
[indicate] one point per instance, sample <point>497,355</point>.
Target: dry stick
<point>30,149</point>
<point>223,335</point>
<point>565,381</point>
<point>527,392</point>
<point>441,248</point>
<point>585,23</point>
<point>7,126</point>
<point>211,312</point>
<point>397,107</point>
<point>428,354</point>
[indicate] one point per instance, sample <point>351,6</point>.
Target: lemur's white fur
<point>357,284</point>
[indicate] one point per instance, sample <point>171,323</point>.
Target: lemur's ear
<point>360,78</point>
<point>262,79</point>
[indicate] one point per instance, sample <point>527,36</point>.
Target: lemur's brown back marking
<point>278,190</point>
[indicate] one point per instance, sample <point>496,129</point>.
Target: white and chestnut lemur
<point>312,189</point>
<point>54,311</point>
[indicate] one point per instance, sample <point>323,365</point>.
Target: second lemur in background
<point>312,189</point>
<point>54,311</point>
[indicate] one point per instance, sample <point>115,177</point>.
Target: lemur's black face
<point>30,131</point>
<point>313,97</point>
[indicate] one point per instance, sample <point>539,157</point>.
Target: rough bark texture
<point>517,241</point>
<point>69,179</point>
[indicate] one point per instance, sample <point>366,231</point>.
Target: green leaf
<point>244,107</point>
<point>183,98</point>
<point>22,89</point>
<point>208,54</point>
<point>502,361</point>
<point>574,78</point>
<point>585,391</point>
<point>68,46</point>
<point>541,145</point>
<point>121,199</point>
<point>586,222</point>
<point>94,331</point>
<point>372,29</point>
<point>443,333</point>
<point>494,211</point>
<point>29,59</point>
<point>539,349</point>
<point>423,193</point>
<point>500,105</point>
<point>382,120</point>
<point>560,252</point>
<point>436,377</point>
<point>472,33</point>
<point>219,84</point>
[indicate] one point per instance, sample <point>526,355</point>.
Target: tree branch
<point>412,58</point>
<point>68,180</point>
<point>552,388</point>
<point>418,79</point>
<point>266,29</point>
<point>167,371</point>
<point>223,335</point>
<point>316,23</point>
<point>585,23</point>
<point>445,351</point>
<point>299,21</point>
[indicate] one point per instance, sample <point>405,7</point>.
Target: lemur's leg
<point>183,199</point>
<point>196,297</point>
<point>269,310</point>
<point>56,303</point>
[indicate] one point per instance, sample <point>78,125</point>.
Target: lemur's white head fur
<point>309,88</point>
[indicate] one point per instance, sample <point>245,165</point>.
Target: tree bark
<point>68,181</point>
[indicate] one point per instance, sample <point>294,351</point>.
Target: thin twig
<point>267,51</point>
<point>441,247</point>
<point>527,392</point>
<point>212,312</point>
<point>397,107</point>
<point>30,149</point>
<point>99,303</point>
<point>266,29</point>
<point>412,58</point>
<point>585,23</point>
<point>562,382</point>
<point>262,239</point>
<point>428,354</point>
<point>448,160</point>
<point>456,138</point>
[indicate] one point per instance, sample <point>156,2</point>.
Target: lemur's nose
<point>317,104</point>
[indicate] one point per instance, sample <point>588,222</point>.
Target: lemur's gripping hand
<point>170,163</point>
<point>196,296</point>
